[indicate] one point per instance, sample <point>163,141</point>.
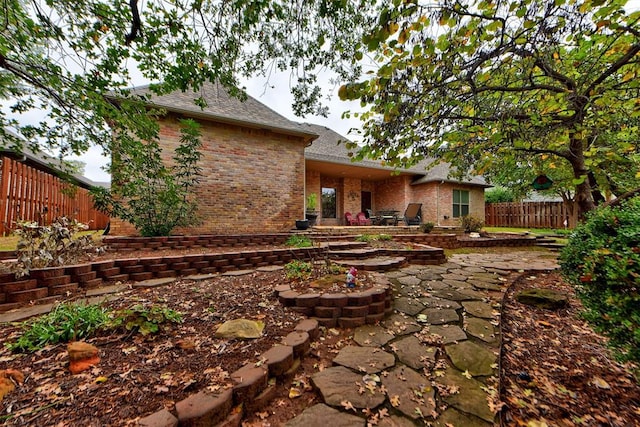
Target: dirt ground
<point>555,370</point>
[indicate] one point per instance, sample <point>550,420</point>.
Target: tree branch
<point>624,60</point>
<point>136,24</point>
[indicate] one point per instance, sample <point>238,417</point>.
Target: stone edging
<point>251,388</point>
<point>50,284</point>
<point>346,310</point>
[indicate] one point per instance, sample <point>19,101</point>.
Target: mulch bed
<point>556,371</point>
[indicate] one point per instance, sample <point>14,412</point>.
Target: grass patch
<point>299,241</point>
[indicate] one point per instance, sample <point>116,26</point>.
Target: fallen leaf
<point>348,405</point>
<point>600,383</point>
<point>294,392</point>
<point>395,400</point>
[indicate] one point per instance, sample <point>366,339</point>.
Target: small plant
<point>144,319</point>
<point>373,237</point>
<point>471,224</point>
<point>49,246</point>
<point>426,227</point>
<point>298,270</point>
<point>66,322</point>
<point>299,241</point>
<point>312,202</point>
<point>602,261</point>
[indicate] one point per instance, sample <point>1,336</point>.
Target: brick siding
<point>252,179</point>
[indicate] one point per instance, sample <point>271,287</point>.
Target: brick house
<point>367,184</point>
<point>258,166</point>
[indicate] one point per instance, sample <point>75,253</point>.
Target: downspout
<point>438,204</point>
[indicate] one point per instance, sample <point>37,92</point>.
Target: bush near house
<point>471,224</point>
<point>602,261</point>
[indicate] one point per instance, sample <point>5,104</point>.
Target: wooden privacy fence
<point>528,215</point>
<point>29,194</point>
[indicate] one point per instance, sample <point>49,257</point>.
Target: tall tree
<point>60,58</point>
<point>479,83</point>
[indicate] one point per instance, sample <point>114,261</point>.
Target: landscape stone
<point>450,276</point>
<point>434,286</point>
<point>429,275</point>
<point>240,328</point>
<point>470,399</point>
<point>471,357</point>
<point>453,295</point>
<point>413,390</point>
<point>409,281</point>
<point>471,294</point>
<point>237,272</point>
<point>478,309</point>
<point>449,333</point>
<point>372,336</point>
<point>364,359</point>
<point>152,283</point>
<point>435,316</point>
<point>410,306</point>
<point>453,417</point>
<point>457,284</point>
<point>162,418</point>
<point>413,353</point>
<point>322,415</point>
<point>433,302</point>
<point>338,384</point>
<point>401,325</point>
<point>395,421</point>
<point>542,298</point>
<point>480,328</point>
<point>486,285</point>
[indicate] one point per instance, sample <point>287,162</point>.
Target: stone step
<point>353,253</point>
<point>374,264</point>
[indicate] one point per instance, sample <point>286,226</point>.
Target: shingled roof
<point>330,147</point>
<point>222,107</point>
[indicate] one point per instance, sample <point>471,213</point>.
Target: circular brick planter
<point>347,310</point>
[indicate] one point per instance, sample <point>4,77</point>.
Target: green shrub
<point>153,196</point>
<point>65,323</point>
<point>373,237</point>
<point>602,262</point>
<point>144,319</point>
<point>426,227</point>
<point>298,269</point>
<point>499,195</point>
<point>299,241</point>
<point>47,246</point>
<point>471,224</point>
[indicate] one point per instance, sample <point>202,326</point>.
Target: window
<point>328,202</point>
<point>460,203</point>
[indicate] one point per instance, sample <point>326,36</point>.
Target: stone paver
<point>339,384</point>
<point>452,304</point>
<point>372,336</point>
<point>364,359</point>
<point>412,353</point>
<point>413,391</point>
<point>322,416</point>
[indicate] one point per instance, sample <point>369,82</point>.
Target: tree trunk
<point>584,196</point>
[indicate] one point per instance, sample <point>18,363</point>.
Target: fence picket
<point>26,191</point>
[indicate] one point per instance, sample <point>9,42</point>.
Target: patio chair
<point>362,219</point>
<point>349,219</point>
<point>413,214</point>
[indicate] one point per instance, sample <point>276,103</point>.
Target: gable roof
<point>45,162</point>
<point>330,148</point>
<point>222,107</point>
